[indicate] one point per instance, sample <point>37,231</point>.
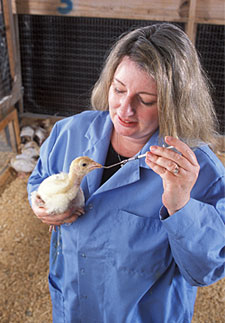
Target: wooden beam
<point>210,22</point>
<point>191,24</point>
<point>8,26</point>
<point>11,120</point>
<point>14,59</point>
<point>208,11</point>
<point>165,10</point>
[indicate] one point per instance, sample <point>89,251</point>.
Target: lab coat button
<point>83,255</point>
<point>90,206</point>
<point>82,270</point>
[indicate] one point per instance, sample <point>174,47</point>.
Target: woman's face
<point>133,102</point>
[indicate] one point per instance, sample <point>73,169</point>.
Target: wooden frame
<point>11,121</point>
<point>191,25</point>
<point>9,125</point>
<point>207,11</point>
<point>7,103</point>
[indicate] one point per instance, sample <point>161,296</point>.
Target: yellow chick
<point>60,191</point>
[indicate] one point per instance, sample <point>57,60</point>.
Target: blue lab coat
<point>125,260</point>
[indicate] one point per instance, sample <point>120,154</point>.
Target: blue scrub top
<point>125,260</point>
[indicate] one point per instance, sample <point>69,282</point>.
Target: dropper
<point>123,162</point>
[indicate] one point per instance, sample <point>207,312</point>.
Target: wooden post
<point>191,24</point>
<point>14,59</point>
<point>9,32</point>
<point>11,120</point>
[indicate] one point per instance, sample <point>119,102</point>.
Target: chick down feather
<point>62,191</point>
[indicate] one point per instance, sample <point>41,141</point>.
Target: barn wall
<point>63,45</point>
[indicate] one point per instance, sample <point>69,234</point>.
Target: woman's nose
<point>127,107</point>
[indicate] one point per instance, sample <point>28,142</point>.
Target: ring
<point>176,170</point>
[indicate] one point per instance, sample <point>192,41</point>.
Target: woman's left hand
<point>179,172</point>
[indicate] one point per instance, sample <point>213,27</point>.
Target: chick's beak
<point>95,165</point>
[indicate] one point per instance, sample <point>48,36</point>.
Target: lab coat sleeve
<point>42,169</point>
<point>196,235</point>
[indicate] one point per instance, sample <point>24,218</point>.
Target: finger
<point>64,215</point>
<point>53,222</point>
<point>39,211</point>
<point>78,212</point>
<point>57,219</point>
<point>167,155</point>
<point>156,168</point>
<point>164,163</point>
<point>71,219</point>
<point>56,216</point>
<point>182,148</point>
<point>161,170</point>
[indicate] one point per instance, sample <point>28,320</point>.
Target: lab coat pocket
<point>140,245</point>
<point>57,303</point>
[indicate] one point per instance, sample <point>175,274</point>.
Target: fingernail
<point>153,148</point>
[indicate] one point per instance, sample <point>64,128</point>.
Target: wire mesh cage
<point>210,44</point>
<point>62,57</point>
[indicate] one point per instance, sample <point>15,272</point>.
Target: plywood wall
<point>207,11</point>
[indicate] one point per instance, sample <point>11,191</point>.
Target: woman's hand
<point>179,172</point>
<point>69,216</point>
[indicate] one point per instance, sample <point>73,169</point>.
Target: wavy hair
<point>165,52</point>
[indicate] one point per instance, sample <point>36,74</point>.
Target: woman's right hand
<point>68,216</point>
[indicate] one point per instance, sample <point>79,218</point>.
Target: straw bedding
<point>24,245</point>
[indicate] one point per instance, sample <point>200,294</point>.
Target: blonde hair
<point>164,51</point>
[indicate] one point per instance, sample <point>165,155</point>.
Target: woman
<point>152,230</point>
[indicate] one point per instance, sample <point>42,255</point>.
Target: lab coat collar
<point>98,135</point>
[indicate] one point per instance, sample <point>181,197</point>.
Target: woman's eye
<point>149,103</point>
<point>118,90</point>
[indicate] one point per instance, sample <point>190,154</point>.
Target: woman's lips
<point>126,123</point>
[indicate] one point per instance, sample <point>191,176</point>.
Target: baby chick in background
<point>62,191</point>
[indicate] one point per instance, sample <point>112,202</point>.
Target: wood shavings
<point>210,304</point>
<point>24,246</point>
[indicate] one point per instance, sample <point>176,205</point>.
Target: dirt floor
<point>24,245</point>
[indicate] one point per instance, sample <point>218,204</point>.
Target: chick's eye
<point>84,164</point>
